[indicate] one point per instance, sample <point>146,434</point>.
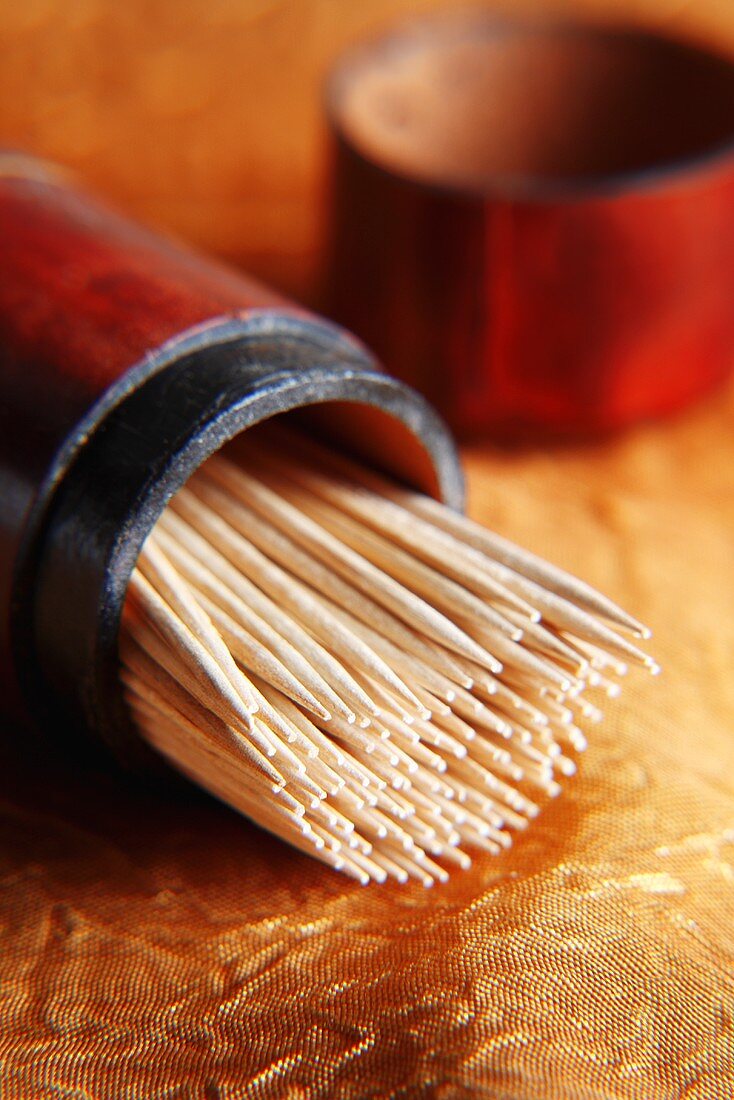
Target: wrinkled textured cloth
<point>154,945</point>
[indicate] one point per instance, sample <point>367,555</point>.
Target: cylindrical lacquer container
<point>533,223</point>
<point>125,361</point>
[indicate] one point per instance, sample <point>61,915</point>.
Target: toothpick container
<point>533,223</point>
<point>126,360</point>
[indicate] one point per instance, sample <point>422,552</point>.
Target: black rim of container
<point>116,479</point>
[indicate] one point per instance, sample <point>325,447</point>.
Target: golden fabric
<point>154,945</point>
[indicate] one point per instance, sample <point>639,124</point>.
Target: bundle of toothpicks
<point>370,675</point>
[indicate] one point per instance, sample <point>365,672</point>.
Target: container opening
<point>473,102</point>
<point>368,434</point>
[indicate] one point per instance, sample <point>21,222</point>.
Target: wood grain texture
<point>204,116</point>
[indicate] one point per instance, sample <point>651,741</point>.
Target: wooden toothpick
<point>378,681</point>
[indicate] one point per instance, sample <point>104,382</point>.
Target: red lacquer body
<point>85,293</point>
<point>84,296</point>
